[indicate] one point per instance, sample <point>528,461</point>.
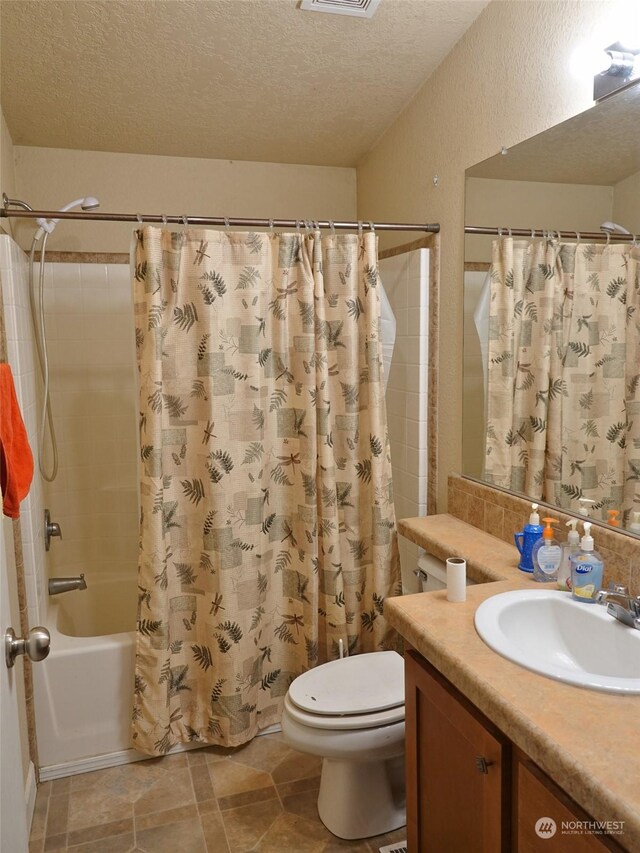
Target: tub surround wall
<point>406,282</point>
<point>94,401</point>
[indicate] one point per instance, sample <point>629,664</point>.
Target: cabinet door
<point>458,769</point>
<point>537,797</point>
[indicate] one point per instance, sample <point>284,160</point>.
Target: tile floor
<point>260,797</point>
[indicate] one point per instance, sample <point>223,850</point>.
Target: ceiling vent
<point>355,8</point>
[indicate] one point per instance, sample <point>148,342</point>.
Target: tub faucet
<point>58,585</point>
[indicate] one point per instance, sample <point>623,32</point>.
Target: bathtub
<point>83,691</point>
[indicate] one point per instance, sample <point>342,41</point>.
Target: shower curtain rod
<point>144,218</point>
<point>539,232</point>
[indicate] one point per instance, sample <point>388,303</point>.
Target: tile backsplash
<point>502,514</point>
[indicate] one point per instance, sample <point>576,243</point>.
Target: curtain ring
<point>577,238</point>
<point>533,233</point>
<point>139,218</point>
<point>509,232</point>
<point>316,225</point>
<point>373,230</point>
<point>359,229</point>
<point>298,225</point>
<point>185,221</point>
<point>164,220</point>
<point>499,231</point>
<point>608,239</point>
<point>634,242</point>
<point>226,222</point>
<point>333,228</point>
<point>271,232</point>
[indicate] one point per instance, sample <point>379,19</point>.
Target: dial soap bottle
<point>527,538</point>
<point>586,569</point>
<point>546,554</point>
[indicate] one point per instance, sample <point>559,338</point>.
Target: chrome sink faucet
<point>620,604</point>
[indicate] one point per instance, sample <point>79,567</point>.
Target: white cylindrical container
<point>456,579</point>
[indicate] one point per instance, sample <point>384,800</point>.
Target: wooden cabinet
<point>458,769</point>
<point>469,790</point>
<point>537,797</point>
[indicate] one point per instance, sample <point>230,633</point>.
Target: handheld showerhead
<point>48,225</point>
<point>613,228</point>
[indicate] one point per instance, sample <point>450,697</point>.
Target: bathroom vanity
<point>492,747</point>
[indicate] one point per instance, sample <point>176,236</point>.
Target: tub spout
<point>58,585</point>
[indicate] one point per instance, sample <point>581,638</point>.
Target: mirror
<point>573,177</point>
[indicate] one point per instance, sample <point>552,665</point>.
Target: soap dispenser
<point>568,548</point>
<point>585,506</point>
<point>634,527</point>
<point>612,517</point>
<point>586,569</point>
<point>527,538</point>
<point>546,554</point>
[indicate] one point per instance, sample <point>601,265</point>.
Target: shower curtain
<point>267,527</point>
<point>564,372</point>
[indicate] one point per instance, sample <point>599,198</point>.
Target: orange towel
<point>16,461</point>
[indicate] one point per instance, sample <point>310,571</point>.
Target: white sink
<point>550,633</point>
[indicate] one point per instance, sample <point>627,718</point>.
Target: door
<point>13,805</point>
<point>457,769</point>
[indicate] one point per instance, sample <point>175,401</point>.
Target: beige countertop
<point>585,740</point>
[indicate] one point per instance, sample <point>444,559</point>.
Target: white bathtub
<point>83,691</point>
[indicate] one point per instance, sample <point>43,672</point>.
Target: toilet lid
<point>361,684</point>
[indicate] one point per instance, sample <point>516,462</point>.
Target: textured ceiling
<point>230,79</point>
<point>600,146</point>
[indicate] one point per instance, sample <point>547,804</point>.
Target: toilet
<point>350,712</point>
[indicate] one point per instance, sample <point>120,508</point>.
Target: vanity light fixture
<point>621,67</point>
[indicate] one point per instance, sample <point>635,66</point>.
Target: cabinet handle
<point>482,764</point>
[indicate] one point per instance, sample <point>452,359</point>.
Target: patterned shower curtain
<point>267,522</point>
<point>563,411</point>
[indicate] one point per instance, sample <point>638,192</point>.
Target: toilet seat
<point>346,722</point>
<point>358,692</point>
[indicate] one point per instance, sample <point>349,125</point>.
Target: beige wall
<point>48,178</point>
<point>626,203</point>
<point>7,167</point>
<point>507,79</point>
<point>529,204</point>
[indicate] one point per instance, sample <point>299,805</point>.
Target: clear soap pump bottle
<point>568,548</point>
<point>547,554</point>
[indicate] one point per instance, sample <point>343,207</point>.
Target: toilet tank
<point>435,571</point>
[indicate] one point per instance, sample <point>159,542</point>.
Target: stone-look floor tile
<point>229,777</point>
<point>303,805</point>
<point>296,766</point>
<point>259,795</point>
<point>214,835</point>
<point>36,845</point>
<point>60,786</point>
<point>115,844</point>
<point>127,781</point>
<point>101,830</point>
<point>172,790</point>
<point>201,780</point>
<point>94,807</point>
<point>58,815</point>
<point>388,838</point>
<point>290,832</point>
<point>147,821</point>
<point>339,845</point>
<point>55,842</point>
<point>213,754</point>
<point>39,820</point>
<point>299,786</point>
<point>245,827</point>
<point>185,836</point>
<point>263,753</point>
<point>208,806</point>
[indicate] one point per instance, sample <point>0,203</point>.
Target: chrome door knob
<point>36,645</point>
